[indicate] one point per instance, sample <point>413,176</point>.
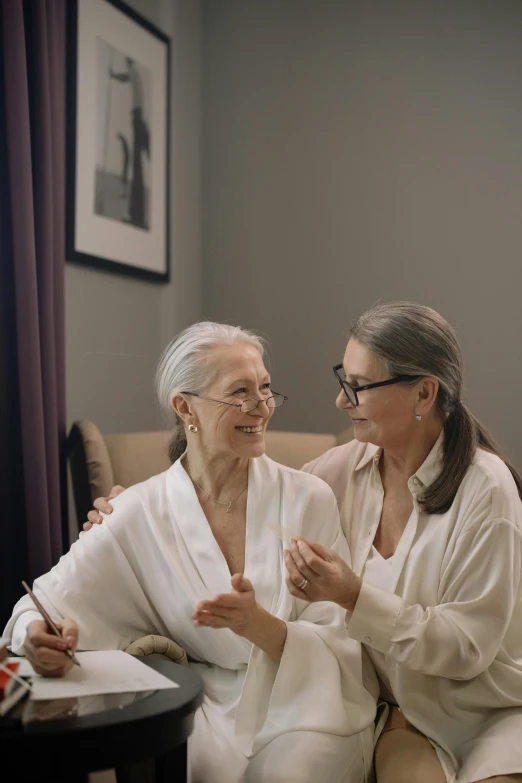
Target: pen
<point>51,626</point>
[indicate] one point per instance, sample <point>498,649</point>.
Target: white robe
<point>154,558</point>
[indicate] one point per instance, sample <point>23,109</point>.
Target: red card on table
<point>7,683</point>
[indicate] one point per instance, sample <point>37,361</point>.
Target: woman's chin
<point>257,449</point>
<point>251,445</point>
<point>367,436</point>
<point>361,431</point>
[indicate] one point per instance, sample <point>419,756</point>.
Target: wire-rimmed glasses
<point>247,406</point>
<point>352,391</point>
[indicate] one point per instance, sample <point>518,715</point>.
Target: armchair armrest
<point>158,647</point>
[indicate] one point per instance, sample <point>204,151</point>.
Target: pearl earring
<point>418,416</point>
<point>193,428</point>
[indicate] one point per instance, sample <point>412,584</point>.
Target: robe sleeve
<point>461,636</point>
<point>318,683</point>
<point>94,584</point>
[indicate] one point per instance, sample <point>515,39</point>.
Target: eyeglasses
<point>275,401</point>
<point>352,391</point>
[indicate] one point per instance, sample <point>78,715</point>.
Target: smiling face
<point>223,430</point>
<point>385,416</point>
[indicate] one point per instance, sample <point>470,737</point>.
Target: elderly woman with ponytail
<point>432,513</point>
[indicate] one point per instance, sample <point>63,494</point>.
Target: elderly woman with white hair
<point>196,554</point>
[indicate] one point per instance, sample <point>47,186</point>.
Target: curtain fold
<point>32,235</point>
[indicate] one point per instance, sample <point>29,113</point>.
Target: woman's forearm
<point>268,633</point>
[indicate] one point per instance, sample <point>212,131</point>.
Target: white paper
<point>108,671</point>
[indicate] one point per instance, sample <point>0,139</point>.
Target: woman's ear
<point>183,409</point>
<point>427,391</point>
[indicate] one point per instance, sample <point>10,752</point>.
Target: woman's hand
<point>46,652</point>
<point>328,577</point>
<point>237,610</point>
<point>102,504</point>
<point>240,612</point>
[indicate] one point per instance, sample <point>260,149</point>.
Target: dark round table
<point>142,736</point>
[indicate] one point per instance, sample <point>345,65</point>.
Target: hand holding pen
<point>49,648</point>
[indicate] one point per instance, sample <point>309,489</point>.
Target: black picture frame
<point>160,270</point>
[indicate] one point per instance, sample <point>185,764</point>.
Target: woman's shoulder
<point>490,474</point>
<point>144,491</point>
<point>490,471</point>
<point>309,499</point>
<point>139,502</point>
<point>300,481</point>
<point>337,465</point>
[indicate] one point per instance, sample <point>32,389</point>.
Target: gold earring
<point>193,428</point>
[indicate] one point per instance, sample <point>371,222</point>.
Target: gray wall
<point>116,326</point>
<point>362,150</point>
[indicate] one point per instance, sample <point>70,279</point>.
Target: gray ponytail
<point>186,365</point>
<point>414,340</point>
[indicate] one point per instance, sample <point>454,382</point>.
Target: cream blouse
<point>450,623</point>
<point>378,571</point>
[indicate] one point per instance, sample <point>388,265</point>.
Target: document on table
<point>107,671</point>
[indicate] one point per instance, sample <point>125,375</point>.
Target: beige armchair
<point>97,462</point>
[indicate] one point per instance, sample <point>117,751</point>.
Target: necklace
<point>219,502</point>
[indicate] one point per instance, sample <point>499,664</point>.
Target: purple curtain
<point>32,256</point>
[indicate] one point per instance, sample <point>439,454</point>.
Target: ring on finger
<point>304,569</point>
<point>302,585</point>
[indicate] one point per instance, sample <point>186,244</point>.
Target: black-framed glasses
<point>274,401</point>
<point>352,391</point>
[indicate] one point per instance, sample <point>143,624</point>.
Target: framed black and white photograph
<point>118,140</point>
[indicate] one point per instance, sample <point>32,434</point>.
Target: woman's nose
<point>342,402</point>
<point>262,410</point>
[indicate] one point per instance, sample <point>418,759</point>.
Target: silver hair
<point>186,365</point>
<point>412,339</point>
